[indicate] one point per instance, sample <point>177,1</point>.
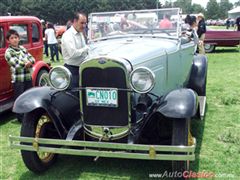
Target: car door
<point>36,40</point>
<point>6,91</point>
<point>186,60</point>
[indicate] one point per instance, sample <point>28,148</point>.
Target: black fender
<point>179,103</point>
<point>62,107</point>
<point>198,76</point>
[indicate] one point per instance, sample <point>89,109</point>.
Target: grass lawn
<point>218,137</point>
<point>220,27</point>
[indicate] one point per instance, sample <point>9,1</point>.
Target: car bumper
<point>105,149</point>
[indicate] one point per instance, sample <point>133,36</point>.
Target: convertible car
<point>140,86</point>
<point>216,38</point>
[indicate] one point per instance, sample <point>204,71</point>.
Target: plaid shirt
<point>17,58</point>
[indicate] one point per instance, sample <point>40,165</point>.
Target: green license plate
<point>105,97</point>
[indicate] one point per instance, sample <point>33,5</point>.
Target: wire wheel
<point>37,124</point>
<point>43,122</point>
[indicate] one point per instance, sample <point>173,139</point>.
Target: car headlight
<point>142,80</point>
<point>60,77</point>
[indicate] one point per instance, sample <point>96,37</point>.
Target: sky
<point>204,2</point>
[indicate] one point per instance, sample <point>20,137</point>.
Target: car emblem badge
<point>102,61</point>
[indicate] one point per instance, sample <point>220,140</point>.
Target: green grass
<point>55,63</point>
<point>218,137</point>
<point>219,27</point>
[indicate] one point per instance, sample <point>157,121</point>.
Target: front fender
<point>198,76</point>
<point>59,103</point>
<point>32,99</point>
<point>62,107</point>
<point>180,103</point>
<point>37,67</point>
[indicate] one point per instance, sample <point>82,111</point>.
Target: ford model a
<point>139,88</point>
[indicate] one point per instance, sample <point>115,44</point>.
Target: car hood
<point>134,48</point>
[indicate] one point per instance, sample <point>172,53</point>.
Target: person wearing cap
<point>201,32</point>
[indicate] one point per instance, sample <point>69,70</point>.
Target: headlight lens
<point>60,77</point>
<point>142,80</point>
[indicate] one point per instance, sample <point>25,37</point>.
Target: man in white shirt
<point>50,36</point>
<point>74,49</point>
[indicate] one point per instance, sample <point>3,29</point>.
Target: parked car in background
<point>60,29</point>
<point>30,31</point>
<point>216,38</point>
<point>140,86</point>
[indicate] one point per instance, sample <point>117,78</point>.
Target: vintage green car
<point>140,86</point>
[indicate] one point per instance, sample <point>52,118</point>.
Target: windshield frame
<point>106,17</point>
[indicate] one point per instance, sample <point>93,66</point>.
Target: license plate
<point>106,97</point>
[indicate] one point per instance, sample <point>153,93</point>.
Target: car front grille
<point>110,77</point>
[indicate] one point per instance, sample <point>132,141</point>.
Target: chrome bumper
<point>105,149</point>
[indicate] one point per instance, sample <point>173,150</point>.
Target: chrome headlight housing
<point>60,77</point>
<point>142,80</point>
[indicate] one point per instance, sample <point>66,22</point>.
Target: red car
<point>215,38</point>
<point>30,31</point>
<point>60,29</point>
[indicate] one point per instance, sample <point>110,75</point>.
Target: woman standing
<point>201,32</point>
<point>50,35</point>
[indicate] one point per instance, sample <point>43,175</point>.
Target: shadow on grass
<point>227,50</point>
<point>75,167</point>
<point>197,131</point>
<point>6,117</point>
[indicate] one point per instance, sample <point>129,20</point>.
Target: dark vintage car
<point>216,38</point>
<point>140,86</point>
<point>30,31</point>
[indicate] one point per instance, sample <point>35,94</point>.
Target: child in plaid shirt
<point>20,62</point>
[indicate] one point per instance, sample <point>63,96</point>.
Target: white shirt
<point>74,49</point>
<point>51,37</point>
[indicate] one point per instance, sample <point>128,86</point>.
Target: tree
<point>212,10</point>
<point>168,4</point>
<point>197,8</point>
<point>185,5</point>
<point>237,3</point>
<point>3,9</point>
<point>224,7</point>
<point>11,6</point>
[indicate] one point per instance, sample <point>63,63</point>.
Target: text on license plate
<point>102,97</point>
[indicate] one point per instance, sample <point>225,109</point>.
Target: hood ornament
<point>102,61</point>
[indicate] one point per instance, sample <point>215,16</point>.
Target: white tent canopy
<point>234,13</point>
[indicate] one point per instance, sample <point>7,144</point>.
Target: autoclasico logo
<point>189,174</point>
<point>192,174</point>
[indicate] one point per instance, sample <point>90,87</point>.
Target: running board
<point>6,105</point>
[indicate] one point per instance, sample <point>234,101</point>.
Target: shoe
<point>52,60</point>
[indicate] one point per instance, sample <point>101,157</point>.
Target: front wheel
<point>209,48</point>
<point>180,136</point>
<point>37,124</point>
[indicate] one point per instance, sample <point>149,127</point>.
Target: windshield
<point>159,22</point>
